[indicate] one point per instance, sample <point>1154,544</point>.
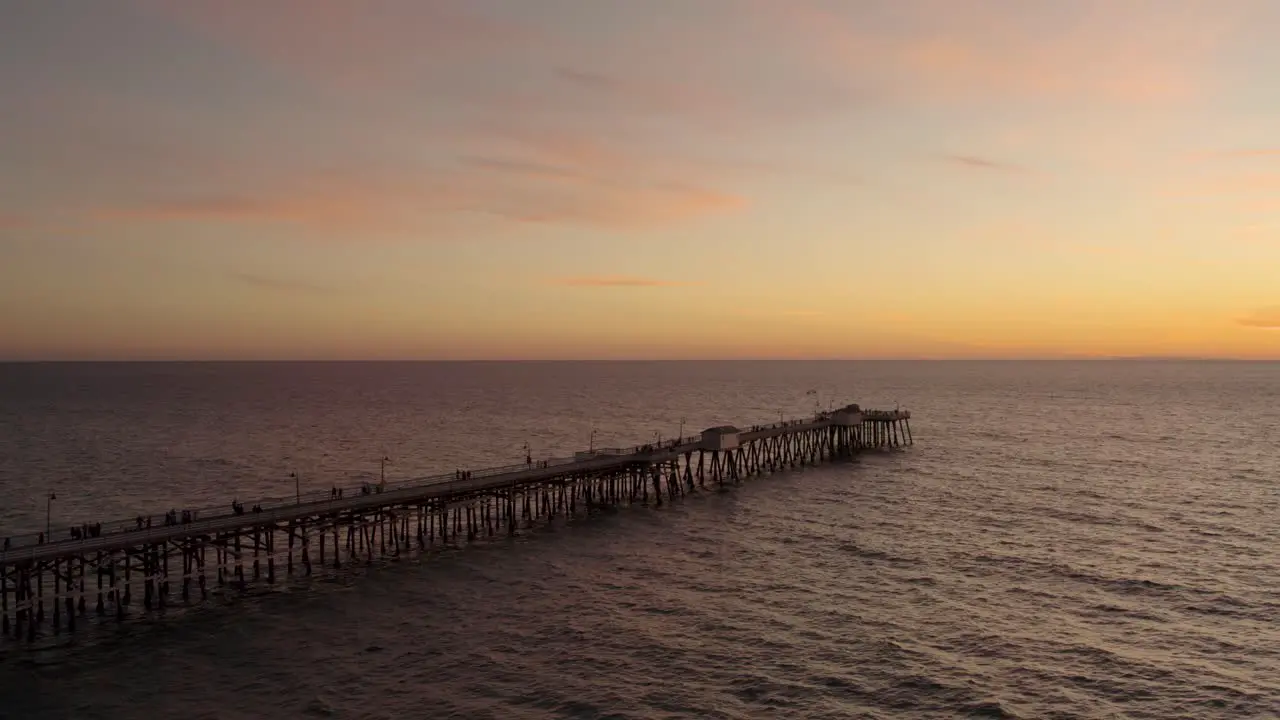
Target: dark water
<point>1066,540</point>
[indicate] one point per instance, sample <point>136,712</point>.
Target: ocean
<point>1092,539</point>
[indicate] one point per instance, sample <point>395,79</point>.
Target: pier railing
<point>318,499</point>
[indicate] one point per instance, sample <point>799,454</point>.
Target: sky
<point>546,179</point>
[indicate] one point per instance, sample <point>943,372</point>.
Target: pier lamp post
<point>297,486</point>
<point>682,429</point>
<point>48,515</point>
<point>382,470</point>
<point>657,436</point>
<point>591,442</point>
<point>528,454</point>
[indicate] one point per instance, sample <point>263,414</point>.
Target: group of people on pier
<point>237,507</point>
<point>171,517</point>
<point>87,530</point>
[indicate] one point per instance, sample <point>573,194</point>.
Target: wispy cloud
<point>1267,318</point>
<point>521,167</point>
<point>980,163</point>
<point>280,284</point>
<point>590,80</point>
<point>553,179</point>
<point>1251,191</point>
<point>966,50</point>
<point>334,43</point>
<point>1247,153</point>
<point>349,207</point>
<point>784,313</point>
<point>623,208</point>
<point>605,281</point>
<point>702,103</point>
<point>550,176</point>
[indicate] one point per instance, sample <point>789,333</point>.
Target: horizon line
<point>1026,358</point>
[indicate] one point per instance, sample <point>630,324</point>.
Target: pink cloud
<point>973,50</point>
<point>633,208</point>
<point>517,156</point>
<point>360,204</point>
<point>547,176</point>
<point>351,208</point>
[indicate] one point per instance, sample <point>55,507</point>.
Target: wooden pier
<point>48,584</point>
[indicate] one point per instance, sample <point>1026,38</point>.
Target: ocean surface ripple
<point>1065,540</point>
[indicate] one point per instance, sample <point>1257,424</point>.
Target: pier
<point>48,584</point>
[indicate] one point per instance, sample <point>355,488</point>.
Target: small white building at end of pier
<point>722,437</point>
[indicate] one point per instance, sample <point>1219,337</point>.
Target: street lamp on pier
<point>591,442</point>
<point>48,515</point>
<point>682,429</point>
<point>297,486</point>
<point>382,471</point>
<point>528,454</point>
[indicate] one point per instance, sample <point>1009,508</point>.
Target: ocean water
<point>1065,540</point>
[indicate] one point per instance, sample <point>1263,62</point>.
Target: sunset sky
<point>639,178</point>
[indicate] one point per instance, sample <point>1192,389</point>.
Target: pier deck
<point>425,508</point>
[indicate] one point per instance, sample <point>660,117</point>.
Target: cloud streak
<point>616,281</point>
<point>1267,318</point>
<point>279,284</point>
<point>975,162</point>
<point>553,180</point>
<point>973,51</point>
<point>1249,153</point>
